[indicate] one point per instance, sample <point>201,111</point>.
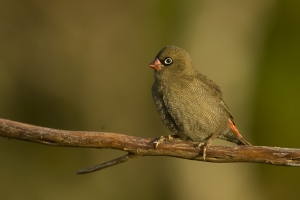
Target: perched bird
<point>189,103</point>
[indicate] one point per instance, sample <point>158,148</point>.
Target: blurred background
<point>83,65</point>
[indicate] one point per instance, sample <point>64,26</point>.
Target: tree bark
<point>137,146</point>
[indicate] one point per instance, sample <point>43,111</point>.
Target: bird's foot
<point>160,140</point>
<point>205,146</point>
<point>164,138</point>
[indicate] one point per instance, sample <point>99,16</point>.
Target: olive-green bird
<point>189,103</point>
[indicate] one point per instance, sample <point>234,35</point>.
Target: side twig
<point>137,146</point>
<point>108,164</point>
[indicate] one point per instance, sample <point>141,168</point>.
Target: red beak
<point>156,64</point>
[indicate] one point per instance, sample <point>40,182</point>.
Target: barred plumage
<point>189,103</point>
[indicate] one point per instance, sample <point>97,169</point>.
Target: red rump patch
<point>234,129</point>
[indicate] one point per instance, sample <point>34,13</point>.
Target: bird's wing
<point>217,91</point>
<point>196,107</point>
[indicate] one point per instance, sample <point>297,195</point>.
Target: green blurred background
<point>83,65</point>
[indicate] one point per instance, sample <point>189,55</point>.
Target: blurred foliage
<point>277,110</point>
<point>84,66</point>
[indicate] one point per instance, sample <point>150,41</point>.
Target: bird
<point>189,103</point>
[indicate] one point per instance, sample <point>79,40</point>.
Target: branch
<point>137,146</point>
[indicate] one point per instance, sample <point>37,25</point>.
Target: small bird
<point>189,103</point>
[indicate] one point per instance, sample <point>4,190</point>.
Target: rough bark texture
<point>137,146</point>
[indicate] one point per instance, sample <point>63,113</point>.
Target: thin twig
<point>137,146</point>
<point>110,163</point>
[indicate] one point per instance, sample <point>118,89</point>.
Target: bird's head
<point>173,60</point>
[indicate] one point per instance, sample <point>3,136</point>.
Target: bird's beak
<point>156,64</point>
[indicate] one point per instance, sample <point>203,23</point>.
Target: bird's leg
<point>163,138</point>
<point>206,144</point>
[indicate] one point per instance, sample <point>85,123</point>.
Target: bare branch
<point>108,164</point>
<point>137,146</point>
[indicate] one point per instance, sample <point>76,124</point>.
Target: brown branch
<point>137,146</point>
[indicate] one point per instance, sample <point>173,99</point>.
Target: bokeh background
<point>83,65</point>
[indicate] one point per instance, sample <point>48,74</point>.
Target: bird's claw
<point>205,146</point>
<point>160,140</point>
<point>163,138</point>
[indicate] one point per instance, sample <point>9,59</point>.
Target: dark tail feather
<point>242,141</point>
<point>232,137</point>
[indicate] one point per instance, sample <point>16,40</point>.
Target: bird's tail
<point>233,135</point>
<point>241,140</point>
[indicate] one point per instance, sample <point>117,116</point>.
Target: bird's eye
<point>168,61</point>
